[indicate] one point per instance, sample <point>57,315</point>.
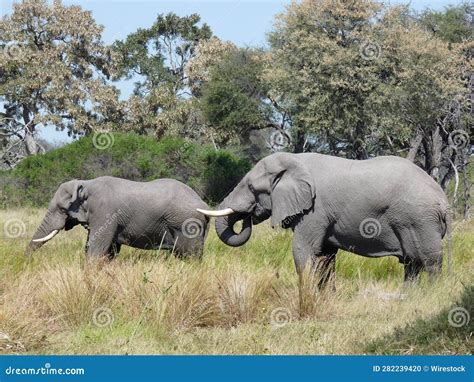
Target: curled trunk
<point>225,229</point>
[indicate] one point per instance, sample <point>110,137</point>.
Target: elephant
<point>159,214</point>
<point>383,206</point>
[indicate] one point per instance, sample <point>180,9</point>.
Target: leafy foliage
<point>156,58</point>
<point>211,173</point>
<point>222,172</point>
<point>54,71</point>
<point>356,74</point>
<point>352,78</point>
<point>454,24</point>
<point>233,101</point>
<point>160,53</point>
<point>318,74</point>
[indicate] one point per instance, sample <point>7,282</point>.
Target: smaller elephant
<point>160,214</point>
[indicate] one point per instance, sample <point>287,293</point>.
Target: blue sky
<point>244,22</point>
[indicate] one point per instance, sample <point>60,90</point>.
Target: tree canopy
<point>353,78</point>
<point>156,58</point>
<point>54,70</point>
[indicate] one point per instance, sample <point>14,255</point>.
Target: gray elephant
<point>149,215</point>
<point>384,206</point>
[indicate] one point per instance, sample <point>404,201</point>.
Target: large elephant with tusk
<point>384,206</point>
<point>160,214</point>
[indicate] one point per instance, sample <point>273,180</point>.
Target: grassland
<point>235,301</point>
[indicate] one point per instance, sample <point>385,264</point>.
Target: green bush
<point>222,172</point>
<point>211,173</point>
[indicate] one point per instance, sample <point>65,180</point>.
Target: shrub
<point>211,173</point>
<point>222,172</point>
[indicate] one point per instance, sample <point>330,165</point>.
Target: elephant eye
<point>251,188</point>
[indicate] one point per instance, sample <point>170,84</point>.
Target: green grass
<point>147,302</point>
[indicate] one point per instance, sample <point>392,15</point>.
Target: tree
<point>322,72</point>
<point>156,58</point>
<point>426,91</point>
<point>366,80</point>
<point>208,54</point>
<point>234,99</point>
<point>456,26</point>
<point>54,71</point>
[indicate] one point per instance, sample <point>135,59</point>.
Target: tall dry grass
<point>235,301</point>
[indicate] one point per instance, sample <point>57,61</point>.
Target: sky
<point>244,22</point>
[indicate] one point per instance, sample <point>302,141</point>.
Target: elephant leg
<point>188,249</point>
<point>307,264</point>
<point>422,251</point>
<point>432,256</point>
<point>114,250</point>
<point>325,267</point>
<point>187,246</point>
<point>412,271</point>
<point>99,243</point>
<point>307,243</point>
<point>303,254</point>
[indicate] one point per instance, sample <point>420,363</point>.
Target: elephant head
<point>279,186</point>
<point>67,209</point>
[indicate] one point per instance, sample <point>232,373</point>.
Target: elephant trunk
<point>225,229</point>
<point>52,223</point>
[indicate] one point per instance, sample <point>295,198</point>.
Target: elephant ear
<point>77,203</point>
<point>293,192</point>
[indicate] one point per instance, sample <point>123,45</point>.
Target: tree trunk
<point>432,145</point>
<point>300,141</point>
<point>415,145</point>
<point>436,145</point>
<point>31,147</point>
<point>358,146</point>
<point>467,189</point>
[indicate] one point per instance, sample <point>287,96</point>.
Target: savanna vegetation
<point>353,78</point>
<point>349,78</point>
<point>235,301</point>
<point>211,173</point>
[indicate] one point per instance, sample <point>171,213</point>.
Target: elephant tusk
<point>224,212</point>
<point>46,238</point>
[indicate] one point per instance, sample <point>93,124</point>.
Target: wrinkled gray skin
<point>149,215</point>
<point>326,200</point>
